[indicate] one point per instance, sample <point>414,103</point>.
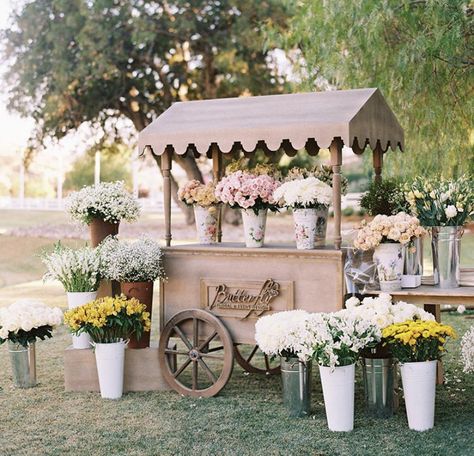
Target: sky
<point>15,130</point>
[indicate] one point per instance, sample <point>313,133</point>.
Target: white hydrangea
<point>284,334</point>
<point>467,350</point>
<point>137,261</point>
<point>77,270</point>
<point>303,193</point>
<point>381,311</point>
<point>27,314</point>
<point>108,201</point>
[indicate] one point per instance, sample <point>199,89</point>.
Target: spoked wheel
<point>253,360</point>
<point>204,353</point>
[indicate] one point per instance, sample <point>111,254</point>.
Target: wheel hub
<point>194,354</point>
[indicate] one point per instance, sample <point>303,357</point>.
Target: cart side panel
<point>238,285</point>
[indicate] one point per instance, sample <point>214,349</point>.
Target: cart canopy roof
<point>359,117</point>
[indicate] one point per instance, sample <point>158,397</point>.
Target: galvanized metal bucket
<point>23,361</point>
<point>296,385</point>
<point>381,386</point>
<point>413,260</point>
<point>446,250</point>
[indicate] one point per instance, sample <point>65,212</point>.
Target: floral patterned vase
<point>322,214</point>
<point>389,260</point>
<point>254,227</point>
<point>206,223</point>
<point>305,228</point>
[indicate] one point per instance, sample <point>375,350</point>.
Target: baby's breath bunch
<point>108,201</point>
<point>132,261</point>
<point>467,350</point>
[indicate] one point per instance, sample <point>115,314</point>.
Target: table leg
<point>436,311</point>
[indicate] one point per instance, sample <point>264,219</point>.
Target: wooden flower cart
<point>215,293</point>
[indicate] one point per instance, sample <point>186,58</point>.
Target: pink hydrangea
<point>245,190</point>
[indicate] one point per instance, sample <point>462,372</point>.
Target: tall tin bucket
<point>23,361</point>
<point>380,385</point>
<point>446,249</point>
<point>413,260</point>
<point>296,386</point>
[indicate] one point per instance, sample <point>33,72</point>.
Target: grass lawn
<point>247,418</point>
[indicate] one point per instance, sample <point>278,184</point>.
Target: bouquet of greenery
<point>26,320</point>
<point>439,202</point>
<point>138,261</point>
<point>109,320</point>
<point>382,198</point>
<point>77,270</point>
<point>108,201</point>
<point>417,340</point>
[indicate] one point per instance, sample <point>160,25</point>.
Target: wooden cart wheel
<point>255,361</point>
<point>204,353</point>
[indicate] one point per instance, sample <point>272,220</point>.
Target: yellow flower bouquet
<point>417,340</point>
<point>109,319</point>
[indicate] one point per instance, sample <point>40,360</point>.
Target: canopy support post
<point>217,174</point>
<point>336,163</point>
<point>377,157</point>
<point>166,170</point>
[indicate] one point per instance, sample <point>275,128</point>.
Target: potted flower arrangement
<point>21,324</point>
<point>136,265</point>
<point>444,206</point>
<point>284,334</point>
<point>103,207</point>
<point>305,196</point>
<point>388,235</point>
<point>324,173</point>
<point>253,194</point>
<point>110,322</point>
<point>79,271</point>
<point>337,341</point>
<point>202,198</point>
<point>379,366</point>
<point>418,345</point>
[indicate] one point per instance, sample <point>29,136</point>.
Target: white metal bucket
<point>110,359</point>
<point>254,227</point>
<point>389,259</point>
<point>76,299</point>
<point>305,228</point>
<point>206,223</point>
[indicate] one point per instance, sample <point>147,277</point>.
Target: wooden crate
<point>142,370</point>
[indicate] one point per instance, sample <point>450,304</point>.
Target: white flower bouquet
<point>401,228</point>
<point>108,201</point>
<point>138,261</point>
<point>467,350</point>
<point>338,338</point>
<point>440,202</point>
<point>305,193</point>
<point>195,192</point>
<point>284,334</point>
<point>26,320</point>
<point>322,172</point>
<point>77,270</point>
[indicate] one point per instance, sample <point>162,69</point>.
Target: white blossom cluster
<point>382,312</point>
<point>137,261</point>
<point>467,350</point>
<point>309,192</point>
<point>338,338</point>
<point>77,270</point>
<point>284,334</point>
<point>108,201</point>
<point>27,314</point>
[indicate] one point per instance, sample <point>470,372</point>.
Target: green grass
<point>247,418</point>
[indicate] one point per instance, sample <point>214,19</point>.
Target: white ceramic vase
<point>110,359</point>
<point>76,299</point>
<point>389,260</point>
<point>419,389</point>
<point>254,227</point>
<point>338,392</point>
<point>305,228</point>
<point>206,223</point>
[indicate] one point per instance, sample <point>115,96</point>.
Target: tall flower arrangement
<point>108,201</point>
<point>441,202</point>
<point>77,270</point>
<point>305,193</point>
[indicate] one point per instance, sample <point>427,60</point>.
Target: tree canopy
<point>419,53</point>
<point>76,61</point>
